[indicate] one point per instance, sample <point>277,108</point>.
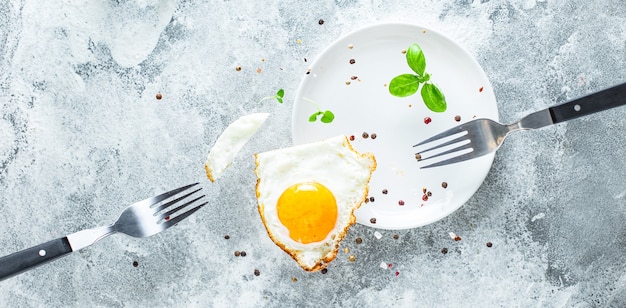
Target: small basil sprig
<point>327,116</point>
<point>279,96</point>
<point>407,84</point>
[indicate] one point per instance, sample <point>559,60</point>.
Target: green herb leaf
<point>279,96</point>
<point>327,117</point>
<point>404,85</point>
<point>433,98</point>
<point>313,117</point>
<point>416,59</point>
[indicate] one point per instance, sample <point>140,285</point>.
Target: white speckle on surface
<point>383,265</point>
<point>538,216</point>
<point>378,235</point>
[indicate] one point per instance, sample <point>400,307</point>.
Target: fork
<point>483,136</point>
<point>141,219</point>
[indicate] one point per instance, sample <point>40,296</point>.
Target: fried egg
<point>230,142</point>
<point>307,195</point>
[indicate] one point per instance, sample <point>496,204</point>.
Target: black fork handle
<point>30,258</point>
<point>592,103</point>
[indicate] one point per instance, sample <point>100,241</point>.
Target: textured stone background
<point>82,136</point>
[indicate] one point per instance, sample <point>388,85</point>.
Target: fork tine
<point>179,218</point>
<point>157,209</point>
<point>178,208</point>
<point>449,132</point>
<point>457,140</point>
<point>457,149</point>
<point>161,197</point>
<point>456,159</point>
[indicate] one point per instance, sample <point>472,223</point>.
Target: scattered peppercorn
<point>444,184</point>
<point>135,263</point>
<point>237,253</point>
<point>480,90</point>
<point>324,271</point>
<point>418,156</point>
<point>489,244</point>
<point>243,253</point>
<point>159,96</point>
<point>373,136</point>
<point>257,272</point>
<point>372,199</point>
<point>350,46</point>
<point>352,61</point>
<point>354,77</point>
<point>367,200</point>
<point>359,240</point>
<point>259,70</point>
<point>424,190</point>
<point>403,51</point>
<point>427,120</point>
<point>397,273</point>
<point>444,251</point>
<point>226,236</point>
<point>385,191</point>
<point>401,202</point>
<point>457,118</point>
<point>238,68</point>
<point>395,236</point>
<point>351,137</point>
<point>430,194</point>
<point>346,250</point>
<point>294,279</point>
<point>425,197</point>
<point>457,238</point>
<point>351,258</point>
<point>373,220</point>
<point>305,60</point>
<point>321,22</point>
<point>365,135</point>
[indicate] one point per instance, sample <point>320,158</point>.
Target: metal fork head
<point>466,141</point>
<point>153,215</point>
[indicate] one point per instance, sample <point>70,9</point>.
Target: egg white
<point>332,163</point>
<point>230,142</point>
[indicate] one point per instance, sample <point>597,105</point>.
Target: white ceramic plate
<point>365,105</point>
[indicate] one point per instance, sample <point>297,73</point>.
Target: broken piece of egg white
<point>230,142</point>
<point>307,195</point>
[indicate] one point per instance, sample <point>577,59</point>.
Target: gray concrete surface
<point>82,135</point>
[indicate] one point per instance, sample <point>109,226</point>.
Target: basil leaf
<point>433,98</point>
<point>416,59</point>
<point>279,99</point>
<point>404,85</point>
<point>280,93</point>
<point>327,117</point>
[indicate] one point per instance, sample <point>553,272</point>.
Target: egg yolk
<point>308,211</point>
